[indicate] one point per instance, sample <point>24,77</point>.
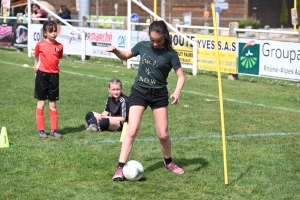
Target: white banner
<point>96,40</point>
<point>275,59</point>
<point>70,39</point>
<point>280,59</point>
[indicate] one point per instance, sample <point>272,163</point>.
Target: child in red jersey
<point>47,54</point>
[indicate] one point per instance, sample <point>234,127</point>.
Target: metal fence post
<point>85,18</point>
<point>267,27</point>
<point>298,83</point>
<point>20,21</point>
<point>206,31</point>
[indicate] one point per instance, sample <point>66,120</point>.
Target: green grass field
<point>261,125</point>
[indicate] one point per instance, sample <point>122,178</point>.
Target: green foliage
<point>139,27</point>
<point>261,122</point>
<point>284,13</point>
<point>251,21</point>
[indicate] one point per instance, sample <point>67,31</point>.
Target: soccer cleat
<point>119,176</point>
<point>42,134</point>
<point>174,168</point>
<point>55,134</point>
<point>92,127</point>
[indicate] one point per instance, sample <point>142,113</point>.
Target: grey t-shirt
<point>154,66</point>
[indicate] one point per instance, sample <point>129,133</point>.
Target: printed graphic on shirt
<point>57,50</point>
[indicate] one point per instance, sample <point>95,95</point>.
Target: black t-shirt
<point>118,108</point>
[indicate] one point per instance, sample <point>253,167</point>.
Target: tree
<point>284,13</point>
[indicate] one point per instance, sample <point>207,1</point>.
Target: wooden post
<point>232,33</point>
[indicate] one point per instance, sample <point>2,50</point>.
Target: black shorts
<point>46,86</point>
<point>155,98</point>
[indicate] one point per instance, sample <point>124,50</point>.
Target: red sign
<point>206,14</point>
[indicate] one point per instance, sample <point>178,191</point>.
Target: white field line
<point>243,102</point>
<point>191,92</point>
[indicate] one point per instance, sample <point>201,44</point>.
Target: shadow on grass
<point>242,175</point>
<point>8,48</point>
<point>200,162</point>
<point>70,130</point>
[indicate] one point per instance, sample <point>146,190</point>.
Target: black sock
<point>168,160</point>
<point>121,164</point>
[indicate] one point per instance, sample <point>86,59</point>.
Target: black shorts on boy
<point>46,86</point>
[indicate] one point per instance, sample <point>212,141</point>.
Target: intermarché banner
<point>206,58</point>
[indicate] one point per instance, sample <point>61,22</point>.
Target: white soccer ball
<point>133,170</point>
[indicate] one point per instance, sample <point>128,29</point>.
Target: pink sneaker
<point>174,168</point>
<point>119,176</point>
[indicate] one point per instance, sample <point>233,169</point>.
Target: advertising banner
<point>6,34</point>
<point>97,40</point>
<point>21,35</point>
<point>70,39</point>
<point>227,47</point>
<point>248,61</point>
<point>65,35</point>
<point>294,16</point>
<point>276,59</point>
<point>206,58</point>
<point>183,47</point>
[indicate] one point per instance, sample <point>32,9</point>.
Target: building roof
<point>18,3</point>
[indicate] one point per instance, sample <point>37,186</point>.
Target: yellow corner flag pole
<point>154,7</point>
<point>295,8</point>
<point>220,93</point>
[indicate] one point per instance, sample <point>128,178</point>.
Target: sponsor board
<point>269,58</point>
<point>206,57</point>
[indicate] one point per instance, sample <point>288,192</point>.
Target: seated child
<point>115,112</point>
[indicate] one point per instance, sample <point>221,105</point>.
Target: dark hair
<point>36,5</point>
<point>115,81</point>
<point>161,27</point>
<point>49,26</point>
<point>64,9</point>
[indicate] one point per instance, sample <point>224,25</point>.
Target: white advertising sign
<point>280,59</point>
<point>277,59</point>
<point>222,5</point>
<point>97,40</point>
<point>70,39</point>
<point>37,35</point>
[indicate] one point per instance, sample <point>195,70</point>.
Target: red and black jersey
<point>49,55</point>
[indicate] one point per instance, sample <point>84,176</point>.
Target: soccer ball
<point>133,170</point>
